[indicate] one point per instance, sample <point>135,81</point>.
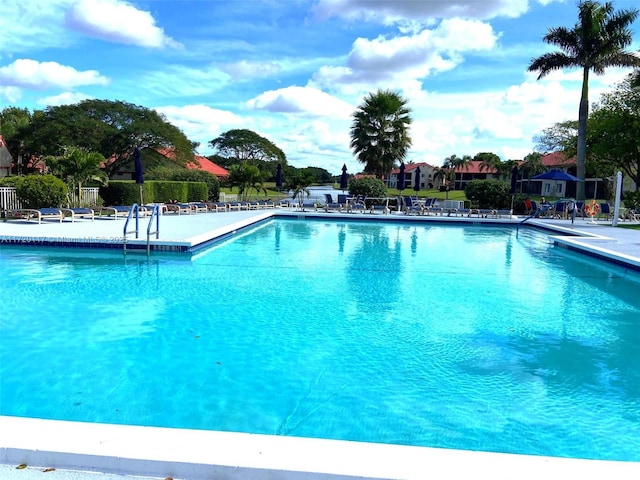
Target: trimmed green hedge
<point>41,191</point>
<point>127,192</point>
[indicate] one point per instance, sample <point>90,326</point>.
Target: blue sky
<point>294,71</point>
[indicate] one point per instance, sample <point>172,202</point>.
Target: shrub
<point>371,187</point>
<point>183,175</point>
<point>41,191</point>
<point>632,199</point>
<point>488,193</point>
<point>9,181</point>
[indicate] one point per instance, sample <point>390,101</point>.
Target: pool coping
<point>199,455</point>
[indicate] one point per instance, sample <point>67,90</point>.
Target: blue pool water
<point>446,336</point>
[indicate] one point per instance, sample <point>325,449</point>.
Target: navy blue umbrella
<point>137,159</point>
<point>279,176</point>
<point>514,180</point>
<point>416,181</point>
<point>344,178</point>
<point>557,175</point>
<point>401,182</point>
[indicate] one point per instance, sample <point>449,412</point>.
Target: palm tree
<point>532,166</point>
<point>380,131</point>
<point>597,41</point>
<point>77,166</point>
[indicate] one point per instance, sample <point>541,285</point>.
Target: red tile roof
<point>555,159</point>
<point>409,167</point>
<point>201,163</point>
<point>208,166</point>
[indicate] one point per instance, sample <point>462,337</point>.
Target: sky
<point>294,71</point>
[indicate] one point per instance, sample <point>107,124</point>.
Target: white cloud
<point>398,11</point>
<point>244,69</point>
<point>301,100</point>
<point>117,21</point>
<point>26,73</point>
<point>201,123</point>
<point>66,98</point>
<point>11,94</point>
<point>383,60</point>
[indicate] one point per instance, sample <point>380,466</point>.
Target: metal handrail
<point>134,208</point>
<point>155,212</point>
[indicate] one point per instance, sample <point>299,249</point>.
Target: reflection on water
<point>455,337</point>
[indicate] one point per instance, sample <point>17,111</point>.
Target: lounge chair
<point>78,212</point>
<point>179,208</point>
<point>40,214</point>
<point>330,204</point>
<point>358,204</point>
<point>411,206</point>
<point>199,207</point>
<point>121,211</point>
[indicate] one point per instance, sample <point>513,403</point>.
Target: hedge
<point>127,192</point>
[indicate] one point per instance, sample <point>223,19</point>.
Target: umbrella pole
<point>141,202</point>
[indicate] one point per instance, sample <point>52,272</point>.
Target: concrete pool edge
<point>198,454</point>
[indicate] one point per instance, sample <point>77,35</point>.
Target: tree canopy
<point>246,145</point>
<point>614,131</point>
<point>380,131</point>
<point>111,128</point>
<point>597,41</point>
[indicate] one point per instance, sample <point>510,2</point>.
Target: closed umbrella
<point>401,180</point>
<point>514,180</point>
<point>416,181</point>
<point>137,159</point>
<point>344,178</point>
<point>279,176</point>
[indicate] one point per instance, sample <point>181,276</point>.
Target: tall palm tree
<point>597,41</point>
<point>380,131</point>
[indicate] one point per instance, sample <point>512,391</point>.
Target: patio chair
<point>330,204</point>
<point>358,204</point>
<point>40,214</point>
<point>605,211</point>
<point>78,212</point>
<point>411,206</point>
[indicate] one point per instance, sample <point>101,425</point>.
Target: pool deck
<point>84,451</point>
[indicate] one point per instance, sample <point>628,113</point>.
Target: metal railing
<point>154,213</point>
<point>135,211</point>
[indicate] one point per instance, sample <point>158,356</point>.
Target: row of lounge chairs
<point>119,211</point>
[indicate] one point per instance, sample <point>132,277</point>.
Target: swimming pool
<point>458,337</point>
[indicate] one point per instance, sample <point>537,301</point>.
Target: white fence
<point>9,198</point>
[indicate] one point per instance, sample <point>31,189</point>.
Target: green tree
<point>14,122</point>
<point>298,182</point>
<point>247,178</point>
<point>447,172</point>
<point>78,166</point>
<point>488,193</point>
<point>597,41</point>
<point>111,128</point>
<point>614,132</point>
<point>246,145</point>
<point>380,131</point>
<point>561,137</point>
<point>532,166</point>
<point>369,187</point>
<point>488,161</point>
